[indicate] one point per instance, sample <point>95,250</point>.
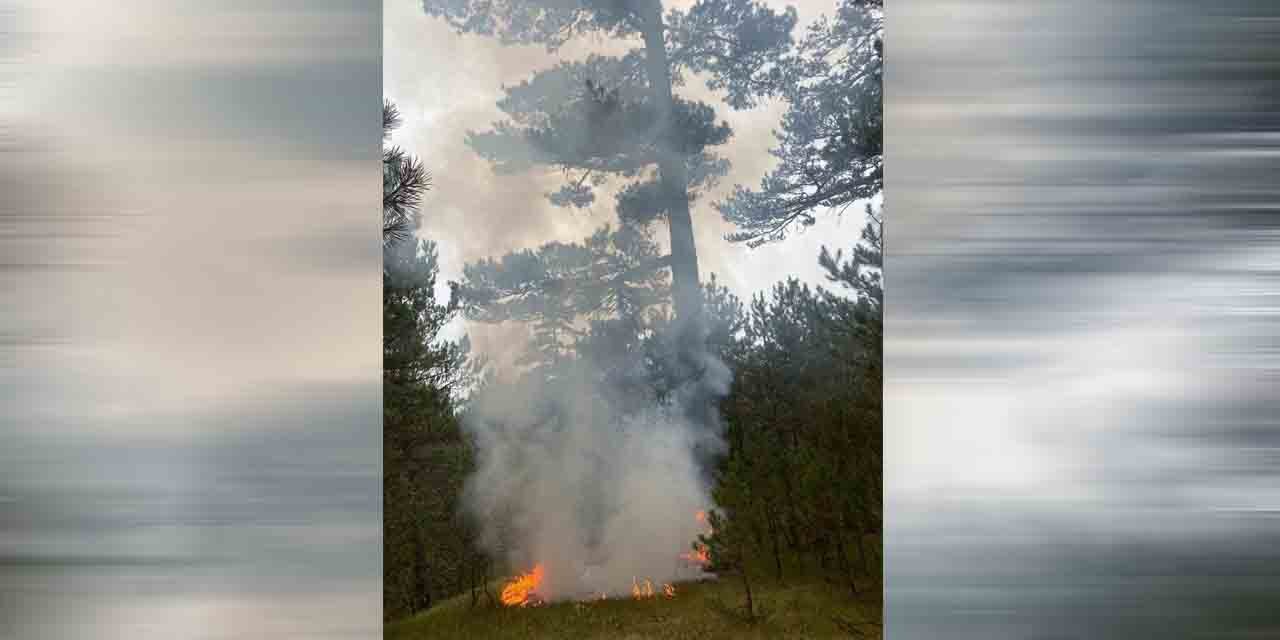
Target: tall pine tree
<point>619,116</point>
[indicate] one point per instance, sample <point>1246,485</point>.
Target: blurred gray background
<point>189,390</point>
<point>1083,277</point>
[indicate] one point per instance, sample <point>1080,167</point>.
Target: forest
<point>658,441</point>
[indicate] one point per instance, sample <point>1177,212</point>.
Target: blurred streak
<point>1082,347</point>
<point>189,395</point>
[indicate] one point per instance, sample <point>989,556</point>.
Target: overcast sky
<point>446,84</point>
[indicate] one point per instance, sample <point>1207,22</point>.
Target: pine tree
<point>424,457</point>
<point>802,478</point>
<point>560,289</point>
<point>830,146</point>
<point>618,115</point>
<point>404,180</point>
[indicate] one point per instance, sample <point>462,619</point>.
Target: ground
<point>792,608</point>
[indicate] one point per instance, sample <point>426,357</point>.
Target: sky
<point>189,340</point>
<point>446,84</point>
<point>1081,362</point>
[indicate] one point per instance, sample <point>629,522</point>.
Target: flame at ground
<point>520,592</point>
<point>641,590</point>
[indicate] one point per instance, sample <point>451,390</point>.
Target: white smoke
<point>599,499</point>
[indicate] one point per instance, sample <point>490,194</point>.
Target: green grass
<point>793,608</point>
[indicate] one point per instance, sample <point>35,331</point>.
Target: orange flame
<point>700,555</point>
<point>519,592</point>
<point>641,589</point>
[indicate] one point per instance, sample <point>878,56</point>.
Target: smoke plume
<point>599,493</point>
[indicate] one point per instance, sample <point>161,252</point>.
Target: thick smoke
<point>599,495</point>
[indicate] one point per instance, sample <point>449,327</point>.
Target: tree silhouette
<point>404,180</point>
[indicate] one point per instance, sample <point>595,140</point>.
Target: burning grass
<point>522,591</point>
<point>799,606</point>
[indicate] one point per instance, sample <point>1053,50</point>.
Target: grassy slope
<point>794,608</point>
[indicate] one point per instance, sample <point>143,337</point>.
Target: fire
<point>700,555</point>
<point>644,590</point>
<point>641,590</point>
<point>519,592</point>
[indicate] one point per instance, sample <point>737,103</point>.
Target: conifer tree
<point>830,145</point>
<point>424,458</point>
<point>618,116</point>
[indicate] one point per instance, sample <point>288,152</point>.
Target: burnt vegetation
<point>793,453</point>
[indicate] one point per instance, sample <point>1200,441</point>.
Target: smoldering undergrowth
<point>596,475</point>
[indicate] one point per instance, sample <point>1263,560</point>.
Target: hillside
<point>793,608</point>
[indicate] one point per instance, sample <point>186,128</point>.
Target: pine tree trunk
<point>686,291</point>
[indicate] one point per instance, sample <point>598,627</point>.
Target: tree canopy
<point>617,116</point>
<point>830,145</point>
